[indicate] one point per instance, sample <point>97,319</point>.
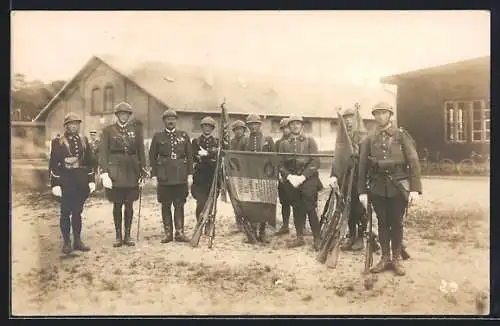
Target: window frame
<point>104,98</point>
<point>96,99</point>
<point>468,128</point>
<point>482,121</point>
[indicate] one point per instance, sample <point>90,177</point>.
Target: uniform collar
<point>121,125</point>
<point>389,130</point>
<point>293,137</point>
<point>206,137</point>
<point>70,135</point>
<point>170,131</point>
<point>255,134</point>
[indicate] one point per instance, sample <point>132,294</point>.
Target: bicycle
<point>437,166</point>
<point>475,164</point>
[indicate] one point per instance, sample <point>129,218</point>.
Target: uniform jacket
<point>278,142</point>
<point>256,142</point>
<point>238,144</point>
<point>204,166</point>
<point>171,157</point>
<point>95,145</point>
<point>121,154</point>
<point>71,162</point>
<point>306,166</point>
<point>380,149</point>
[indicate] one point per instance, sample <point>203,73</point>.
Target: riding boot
<point>179,223</point>
<point>396,246</point>
<point>128,226</point>
<point>385,260</point>
<point>166,216</point>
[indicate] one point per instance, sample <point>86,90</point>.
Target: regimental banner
<point>252,181</point>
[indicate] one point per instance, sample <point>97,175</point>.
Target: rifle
<point>139,213</point>
<point>369,240</point>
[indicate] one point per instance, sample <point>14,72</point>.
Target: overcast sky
<point>318,46</point>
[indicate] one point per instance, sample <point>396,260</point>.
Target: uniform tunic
<point>171,160</point>
<point>284,188</point>
<point>122,156</point>
<point>256,142</point>
<point>238,144</point>
<point>204,166</point>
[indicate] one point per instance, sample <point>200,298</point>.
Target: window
<point>275,125</point>
<point>96,100</point>
<point>108,99</point>
<point>480,121</point>
<point>307,126</point>
<point>196,123</point>
<point>455,113</point>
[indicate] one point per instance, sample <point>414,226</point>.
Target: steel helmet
<point>382,106</point>
<point>238,124</point>
<point>295,118</point>
<point>284,123</point>
<point>169,113</point>
<point>71,117</point>
<point>208,121</point>
<point>254,118</point>
<point>348,111</point>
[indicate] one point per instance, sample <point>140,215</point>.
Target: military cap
<point>123,107</point>
<point>71,117</point>
<point>237,124</point>
<point>284,122</point>
<point>254,118</point>
<point>295,118</point>
<point>348,111</point>
<point>382,106</point>
<point>208,121</point>
<point>169,113</point>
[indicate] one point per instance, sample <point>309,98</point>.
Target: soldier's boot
<point>67,249</point>
<point>179,223</point>
<point>283,230</point>
<point>396,246</point>
<point>78,244</point>
<point>347,245</point>
<point>262,233</point>
<point>297,242</point>
<point>118,231</point>
<point>385,260</point>
<point>127,240</point>
<point>166,216</point>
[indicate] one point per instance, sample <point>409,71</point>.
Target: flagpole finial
<point>356,105</point>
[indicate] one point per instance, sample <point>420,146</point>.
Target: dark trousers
<point>390,212</point>
<point>72,201</point>
<point>286,205</point>
<point>305,201</point>
<point>166,215</point>
<point>357,217</point>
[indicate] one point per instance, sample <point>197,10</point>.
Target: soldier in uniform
<point>357,217</point>
<point>204,150</point>
<point>72,179</point>
<point>122,160</point>
<point>94,145</point>
<point>302,174</point>
<point>171,159</point>
<point>257,142</point>
<point>238,143</point>
<point>285,202</point>
<point>389,173</point>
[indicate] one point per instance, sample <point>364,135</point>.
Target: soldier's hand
<point>363,198</point>
<point>300,179</point>
<point>57,191</point>
<point>202,152</point>
<point>92,187</point>
<point>154,181</point>
<point>413,197</point>
<point>333,183</point>
<point>106,181</point>
<point>190,179</point>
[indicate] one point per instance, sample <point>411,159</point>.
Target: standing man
<point>302,174</point>
<point>204,150</point>
<point>286,204</point>
<point>94,145</point>
<point>389,177</point>
<point>357,216</point>
<point>171,158</point>
<point>72,179</point>
<point>238,143</point>
<point>122,160</point>
<point>258,143</point>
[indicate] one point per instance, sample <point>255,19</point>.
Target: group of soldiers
<point>176,161</point>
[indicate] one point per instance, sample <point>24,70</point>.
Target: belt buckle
<point>173,156</point>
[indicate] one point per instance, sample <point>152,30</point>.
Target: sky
<point>356,47</point>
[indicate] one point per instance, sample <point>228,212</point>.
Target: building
<point>195,92</point>
<point>446,108</point>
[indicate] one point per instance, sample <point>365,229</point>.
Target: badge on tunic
<point>173,156</point>
<point>131,134</point>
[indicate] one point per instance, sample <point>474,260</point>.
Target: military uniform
<point>122,158</point>
<point>71,168</point>
<point>238,143</point>
<point>357,215</point>
<point>389,168</point>
<point>257,142</point>
<point>204,166</point>
<point>283,192</point>
<point>304,198</point>
<point>94,145</point>
<point>171,160</point>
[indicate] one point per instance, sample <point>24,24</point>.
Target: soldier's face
<point>206,129</point>
<point>123,116</point>
<point>170,122</point>
<point>382,117</point>
<point>238,132</point>
<point>73,127</point>
<point>285,131</point>
<point>296,127</point>
<point>349,121</point>
<point>93,136</point>
<point>254,127</point>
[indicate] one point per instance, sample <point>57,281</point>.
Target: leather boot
<point>67,249</point>
<point>128,226</point>
<point>78,244</point>
<point>179,223</point>
<point>118,232</point>
<point>166,216</point>
<point>283,230</point>
<point>180,236</point>
<point>385,261</point>
<point>297,242</point>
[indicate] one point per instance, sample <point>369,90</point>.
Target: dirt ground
<point>447,235</point>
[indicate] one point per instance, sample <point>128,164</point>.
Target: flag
<point>344,151</point>
<point>253,183</point>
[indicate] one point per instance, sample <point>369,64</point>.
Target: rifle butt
<point>195,239</point>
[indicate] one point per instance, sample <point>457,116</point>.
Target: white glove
<point>106,181</point>
<point>363,198</point>
<point>300,180</point>
<point>92,187</point>
<point>413,197</point>
<point>190,179</point>
<point>332,182</point>
<point>291,178</point>
<point>296,180</point>
<point>202,152</point>
<point>57,191</point>
<point>154,181</point>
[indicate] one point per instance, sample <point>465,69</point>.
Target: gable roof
<point>480,63</point>
<point>197,89</point>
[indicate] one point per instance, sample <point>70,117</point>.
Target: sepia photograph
<point>250,163</point>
